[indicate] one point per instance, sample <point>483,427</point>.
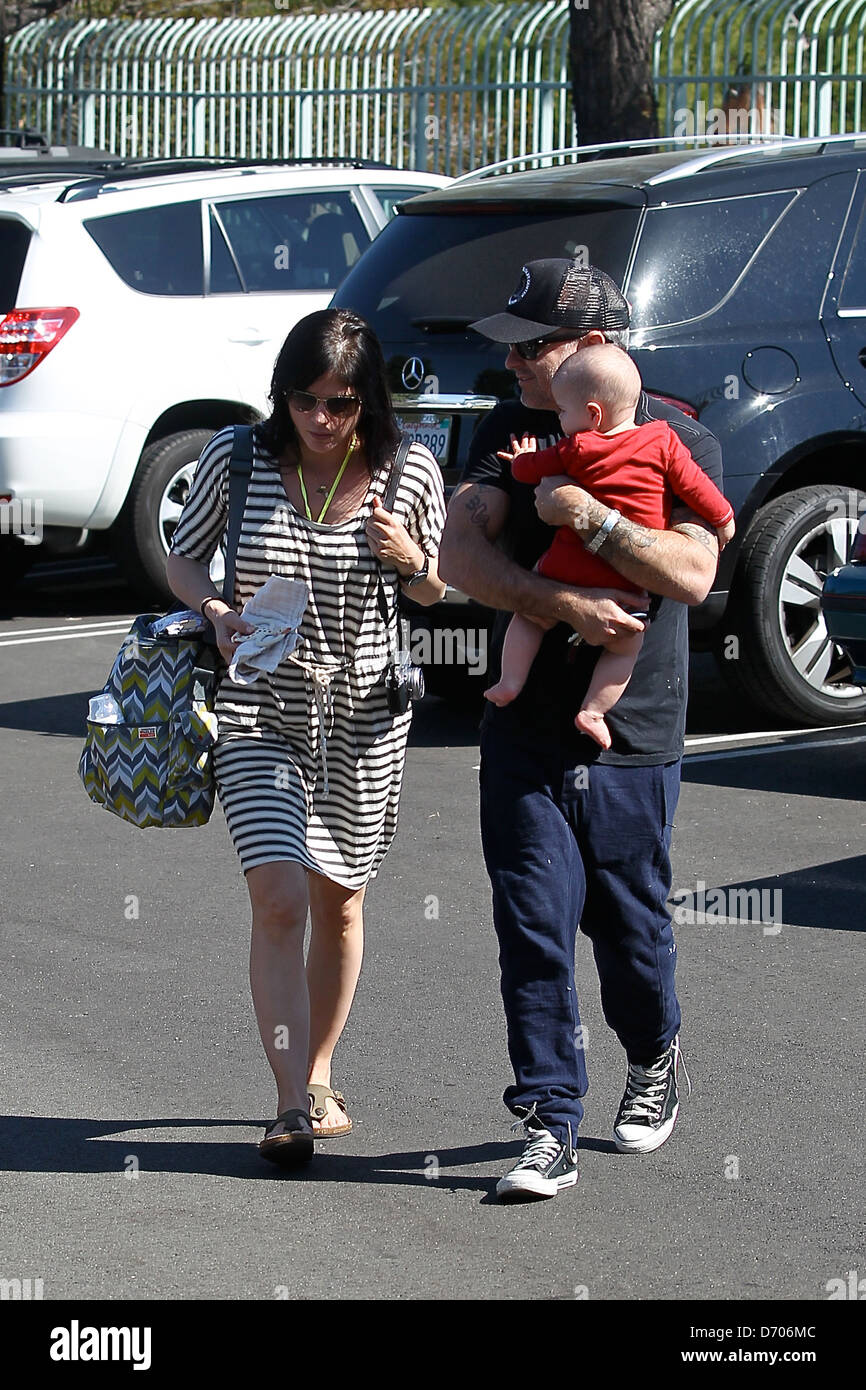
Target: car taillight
<point>680,405</point>
<point>858,551</point>
<point>26,338</point>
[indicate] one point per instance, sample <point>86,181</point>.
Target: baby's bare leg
<point>609,679</point>
<point>519,650</point>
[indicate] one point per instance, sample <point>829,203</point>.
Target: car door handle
<point>861,357</point>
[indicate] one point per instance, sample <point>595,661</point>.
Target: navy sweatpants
<point>568,845</point>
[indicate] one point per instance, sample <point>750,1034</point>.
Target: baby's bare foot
<point>594,725</point>
<point>501,694</point>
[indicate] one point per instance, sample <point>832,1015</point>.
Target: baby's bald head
<point>602,373</point>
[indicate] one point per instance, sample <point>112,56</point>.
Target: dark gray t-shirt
<point>647,724</point>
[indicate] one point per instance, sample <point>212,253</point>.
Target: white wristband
<point>603,531</point>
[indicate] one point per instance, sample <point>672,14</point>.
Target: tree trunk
<point>611,44</point>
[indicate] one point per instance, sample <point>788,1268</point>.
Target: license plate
<point>433,431</point>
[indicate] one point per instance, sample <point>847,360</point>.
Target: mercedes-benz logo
<point>413,373</point>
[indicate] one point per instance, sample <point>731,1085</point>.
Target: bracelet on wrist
<point>612,519</point>
<point>210,598</point>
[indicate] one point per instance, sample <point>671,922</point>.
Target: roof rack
<point>126,170</point>
<point>486,170</point>
<point>790,143</point>
<point>99,169</point>
<point>733,146</point>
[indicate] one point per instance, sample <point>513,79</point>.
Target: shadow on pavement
<point>44,1144</point>
<point>838,772</point>
<point>826,896</point>
<point>53,714</point>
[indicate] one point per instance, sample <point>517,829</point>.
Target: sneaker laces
<point>645,1087</point>
<point>542,1146</point>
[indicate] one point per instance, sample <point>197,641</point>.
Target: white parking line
<point>79,627</point>
<point>64,634</point>
<point>770,748</point>
<point>766,733</point>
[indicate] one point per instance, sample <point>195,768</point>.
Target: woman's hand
<point>391,542</point>
<point>225,623</point>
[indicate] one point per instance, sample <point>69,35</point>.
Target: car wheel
<point>152,510</point>
<point>774,645</point>
<point>16,559</point>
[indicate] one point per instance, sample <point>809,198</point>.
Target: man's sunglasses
<point>304,401</point>
<point>531,347</point>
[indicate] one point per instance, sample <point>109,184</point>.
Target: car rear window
<point>155,250</point>
<point>689,257</point>
<point>292,241</point>
<point>424,270</point>
<point>14,241</point>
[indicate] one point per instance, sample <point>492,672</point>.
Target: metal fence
<point>787,67</point>
<point>437,89</point>
<point>440,89</point>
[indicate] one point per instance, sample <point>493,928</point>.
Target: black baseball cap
<point>558,296</point>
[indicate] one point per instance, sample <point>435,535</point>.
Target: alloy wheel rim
<point>815,658</point>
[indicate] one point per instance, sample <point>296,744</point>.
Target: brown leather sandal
<point>293,1148</point>
<point>318,1110</point>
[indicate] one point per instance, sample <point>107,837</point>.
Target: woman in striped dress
<point>309,761</point>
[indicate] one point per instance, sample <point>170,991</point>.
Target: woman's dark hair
<point>338,341</point>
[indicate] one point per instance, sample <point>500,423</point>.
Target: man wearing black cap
<point>572,834</point>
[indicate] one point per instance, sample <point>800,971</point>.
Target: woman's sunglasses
<point>305,401</point>
<point>531,347</point>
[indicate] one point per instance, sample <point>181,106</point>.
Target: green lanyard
<point>336,483</point>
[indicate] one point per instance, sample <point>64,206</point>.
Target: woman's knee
<point>335,910</point>
<point>278,894</point>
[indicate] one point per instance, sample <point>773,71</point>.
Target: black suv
<point>746,271</point>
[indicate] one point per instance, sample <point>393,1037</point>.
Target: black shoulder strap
<point>388,499</point>
<point>390,494</point>
<point>240,469</point>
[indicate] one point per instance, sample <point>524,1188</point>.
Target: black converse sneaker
<point>543,1168</point>
<point>648,1110</point>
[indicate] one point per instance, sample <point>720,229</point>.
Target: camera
<point>404,681</point>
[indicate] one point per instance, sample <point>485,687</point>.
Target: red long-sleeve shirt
<point>639,472</point>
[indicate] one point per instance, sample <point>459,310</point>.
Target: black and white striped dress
<point>275,736</point>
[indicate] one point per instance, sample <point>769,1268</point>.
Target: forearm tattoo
<point>629,538</point>
<point>699,533</point>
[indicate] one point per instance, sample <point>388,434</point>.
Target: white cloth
<point>276,610</point>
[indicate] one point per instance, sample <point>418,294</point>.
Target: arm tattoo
<point>628,538</point>
<point>699,533</point>
<point>477,509</point>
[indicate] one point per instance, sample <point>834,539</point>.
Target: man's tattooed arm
<point>477,510</point>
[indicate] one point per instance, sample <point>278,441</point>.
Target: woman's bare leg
<point>333,967</point>
<point>609,679</point>
<point>278,893</point>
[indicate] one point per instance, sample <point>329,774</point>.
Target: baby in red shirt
<point>637,469</point>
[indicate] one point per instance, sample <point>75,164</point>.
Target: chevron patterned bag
<point>152,765</point>
<point>147,755</point>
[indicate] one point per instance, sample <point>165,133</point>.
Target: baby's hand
<point>527,445</point>
<point>725,533</point>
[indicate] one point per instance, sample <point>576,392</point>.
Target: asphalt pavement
<point>135,1088</point>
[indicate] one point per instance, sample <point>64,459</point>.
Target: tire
<point>143,531</point>
<point>773,645</point>
<point>16,559</point>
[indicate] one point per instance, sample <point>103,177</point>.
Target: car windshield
<point>14,241</point>
<point>437,273</point>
